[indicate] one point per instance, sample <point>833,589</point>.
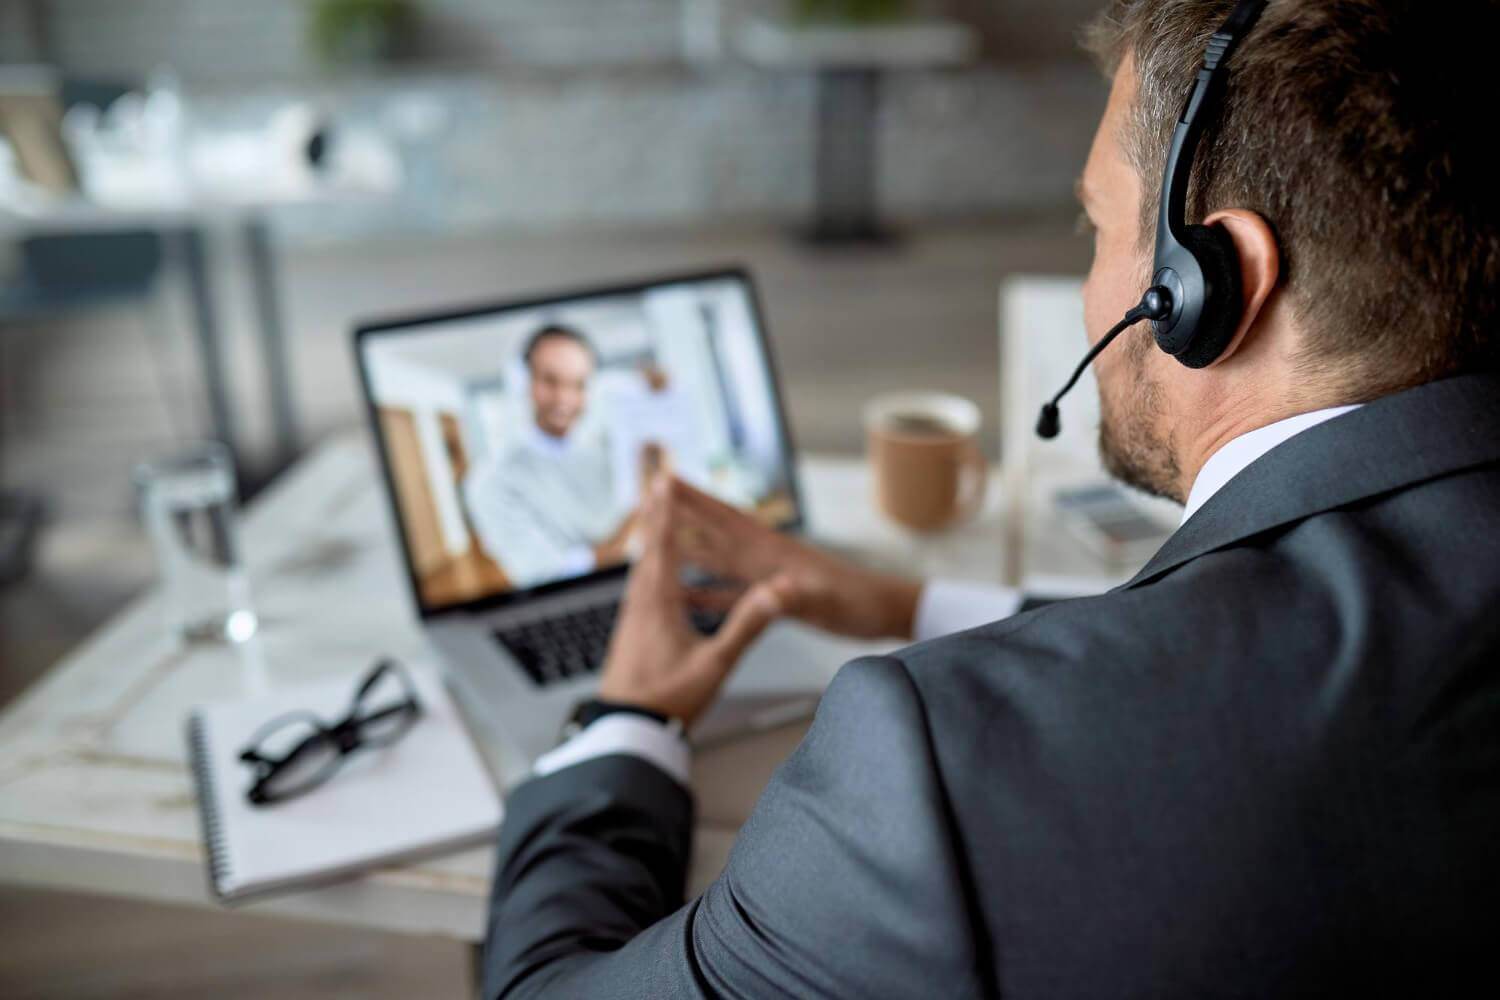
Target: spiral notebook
<point>426,794</point>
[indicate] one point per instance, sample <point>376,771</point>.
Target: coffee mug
<point>928,471</point>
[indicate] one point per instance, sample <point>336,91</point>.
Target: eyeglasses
<point>294,753</point>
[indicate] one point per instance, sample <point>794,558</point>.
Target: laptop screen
<point>517,440</point>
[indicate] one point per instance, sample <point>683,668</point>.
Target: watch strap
<point>591,710</point>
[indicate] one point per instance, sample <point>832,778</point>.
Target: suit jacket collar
<point>1395,442</point>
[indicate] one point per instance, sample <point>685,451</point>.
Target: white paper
<point>642,417</point>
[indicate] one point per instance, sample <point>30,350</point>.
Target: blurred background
<point>198,198</point>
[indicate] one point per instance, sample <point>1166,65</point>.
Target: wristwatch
<point>590,710</point>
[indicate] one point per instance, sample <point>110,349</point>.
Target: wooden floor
<point>81,401</point>
<point>84,947</point>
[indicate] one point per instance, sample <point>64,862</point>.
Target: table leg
<point>194,259</point>
<point>262,265</point>
<point>846,194</point>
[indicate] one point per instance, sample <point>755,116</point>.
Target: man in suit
<point>1269,764</point>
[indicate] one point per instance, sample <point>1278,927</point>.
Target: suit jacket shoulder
<point>1263,755</point>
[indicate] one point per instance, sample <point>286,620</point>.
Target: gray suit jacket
<point>1269,765</point>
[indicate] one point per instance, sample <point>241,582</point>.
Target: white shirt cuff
<point>622,732</point>
<point>948,606</point>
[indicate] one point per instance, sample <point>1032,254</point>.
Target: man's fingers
<point>656,522</point>
<point>691,520</point>
<point>715,511</point>
<point>718,598</point>
<point>707,550</point>
<point>761,605</point>
<point>715,536</point>
<point>653,577</point>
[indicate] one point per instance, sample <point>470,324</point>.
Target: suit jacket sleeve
<point>845,881</point>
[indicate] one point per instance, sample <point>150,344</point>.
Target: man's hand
<point>656,659</point>
<point>619,547</point>
<point>815,586</point>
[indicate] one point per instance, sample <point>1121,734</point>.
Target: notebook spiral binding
<point>208,810</point>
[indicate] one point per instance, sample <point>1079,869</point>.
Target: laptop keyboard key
<point>561,648</point>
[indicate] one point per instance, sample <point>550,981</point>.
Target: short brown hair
<point>1359,129</point>
<point>556,331</point>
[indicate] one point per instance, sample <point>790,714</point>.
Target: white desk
<point>94,791</point>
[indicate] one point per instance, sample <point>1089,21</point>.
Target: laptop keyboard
<point>565,646</point>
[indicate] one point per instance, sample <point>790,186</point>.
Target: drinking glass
<point>188,505</point>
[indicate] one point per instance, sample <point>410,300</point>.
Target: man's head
<point>561,363</point>
<point>1349,166</point>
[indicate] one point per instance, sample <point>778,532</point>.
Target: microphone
<point>1156,304</point>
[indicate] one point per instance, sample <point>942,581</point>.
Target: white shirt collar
<point>547,444</point>
<point>1232,459</point>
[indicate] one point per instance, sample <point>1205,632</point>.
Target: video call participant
<point>1269,764</point>
<point>545,510</point>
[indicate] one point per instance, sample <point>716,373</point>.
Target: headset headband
<point>1171,222</point>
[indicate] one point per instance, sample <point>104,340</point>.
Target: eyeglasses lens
<point>307,754</point>
<point>386,708</point>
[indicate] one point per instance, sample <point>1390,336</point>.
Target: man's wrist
<point>590,710</point>
<point>623,733</point>
<point>899,598</point>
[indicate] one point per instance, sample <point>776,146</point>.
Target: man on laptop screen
<point>545,510</point>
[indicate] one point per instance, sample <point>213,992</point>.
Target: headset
<point>1194,301</point>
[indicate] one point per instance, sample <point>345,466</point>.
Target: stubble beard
<point>1133,450</point>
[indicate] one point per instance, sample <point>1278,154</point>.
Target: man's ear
<point>1260,267</point>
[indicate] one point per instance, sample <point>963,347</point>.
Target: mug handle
<point>974,481</point>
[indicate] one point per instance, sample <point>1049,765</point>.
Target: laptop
<point>516,440</point>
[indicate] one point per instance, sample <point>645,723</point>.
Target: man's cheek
<point>1096,319</point>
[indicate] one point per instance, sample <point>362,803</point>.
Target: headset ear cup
<point>1223,305</point>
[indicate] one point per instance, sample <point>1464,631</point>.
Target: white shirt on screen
<point>945,607</point>
<point>542,506</point>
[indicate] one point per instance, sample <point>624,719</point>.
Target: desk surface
<point>94,790</point>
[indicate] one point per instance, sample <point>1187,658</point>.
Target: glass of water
<point>188,505</point>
